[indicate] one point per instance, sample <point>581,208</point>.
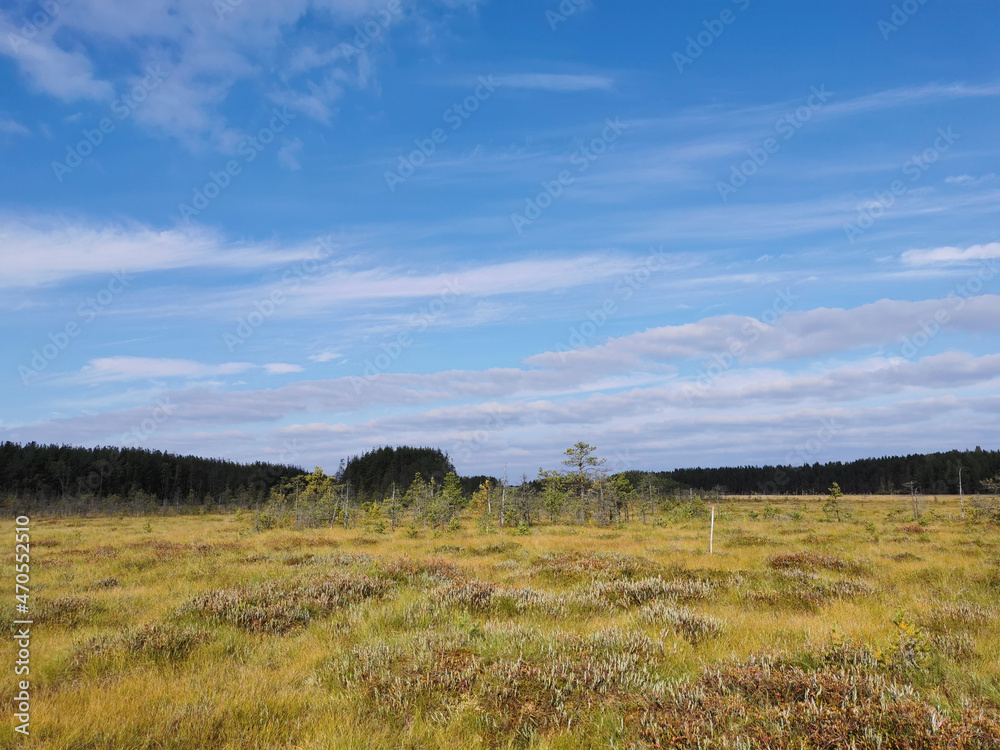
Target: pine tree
<point>832,505</point>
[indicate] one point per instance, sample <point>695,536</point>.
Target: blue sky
<point>706,233</point>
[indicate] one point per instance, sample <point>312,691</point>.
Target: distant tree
<point>623,496</point>
<point>418,497</point>
<point>452,499</point>
<point>553,496</point>
<point>315,499</point>
<point>989,507</point>
<point>833,501</point>
<point>373,474</point>
<point>991,485</point>
<point>524,503</point>
<point>375,519</point>
<point>582,465</point>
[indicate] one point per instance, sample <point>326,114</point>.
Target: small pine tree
<point>451,496</point>
<point>832,505</point>
<point>375,519</point>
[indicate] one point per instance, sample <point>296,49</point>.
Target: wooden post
<point>711,533</point>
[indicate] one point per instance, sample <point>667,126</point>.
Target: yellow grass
<point>234,687</point>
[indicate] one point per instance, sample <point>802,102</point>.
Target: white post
<point>711,533</point>
<point>961,495</point>
<point>503,495</point>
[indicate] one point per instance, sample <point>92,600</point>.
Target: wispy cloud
<point>115,369</point>
<point>45,250</point>
<point>12,127</point>
<point>213,47</point>
<point>913,95</point>
<point>68,76</point>
<point>556,82</point>
<point>288,154</point>
<point>968,180</point>
<point>944,255</point>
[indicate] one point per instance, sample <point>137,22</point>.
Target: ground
<point>198,632</point>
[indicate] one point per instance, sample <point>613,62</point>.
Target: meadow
<point>200,631</point>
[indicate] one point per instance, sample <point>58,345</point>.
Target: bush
<point>274,607</point>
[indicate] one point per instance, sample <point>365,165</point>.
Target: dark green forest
<point>111,480</point>
<point>375,473</point>
<point>930,474</point>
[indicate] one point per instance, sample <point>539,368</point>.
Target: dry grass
<point>797,632</point>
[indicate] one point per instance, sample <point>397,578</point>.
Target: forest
<point>69,479</point>
<point>109,479</point>
<point>927,474</point>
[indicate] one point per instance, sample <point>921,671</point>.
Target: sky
<point>690,233</point>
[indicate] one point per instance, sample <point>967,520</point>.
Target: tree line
<point>388,487</point>
<point>928,474</point>
<point>69,479</point>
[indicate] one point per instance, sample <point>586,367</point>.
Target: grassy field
<point>197,632</point>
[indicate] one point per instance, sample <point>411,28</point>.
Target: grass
<point>797,632</point>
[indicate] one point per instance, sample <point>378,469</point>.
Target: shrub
<point>690,626</point>
<point>273,607</point>
<point>812,561</point>
<point>766,702</point>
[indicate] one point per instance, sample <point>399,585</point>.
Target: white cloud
<point>324,356</point>
<point>747,415</point>
<point>967,180</point>
<point>280,368</point>
<point>208,50</point>
<point>942,255</point>
<point>68,76</point>
<point>795,334</point>
<point>124,368</point>
<point>46,250</point>
<point>107,369</point>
